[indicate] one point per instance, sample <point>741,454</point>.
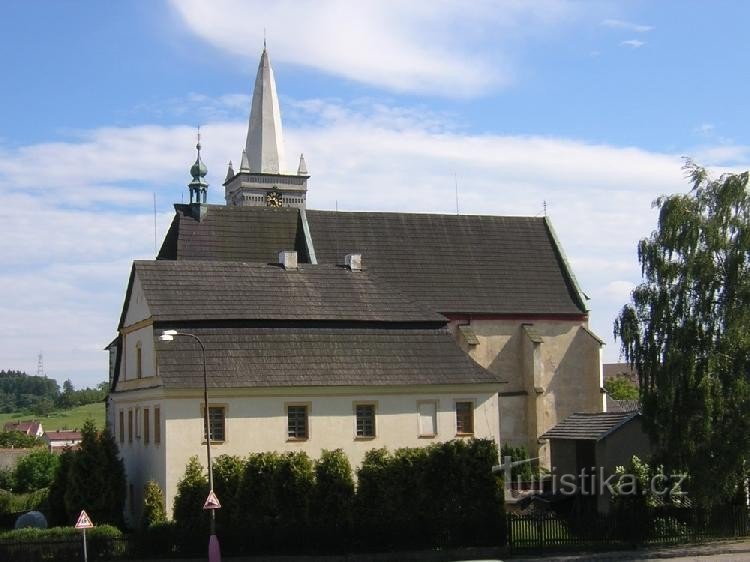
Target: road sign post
<point>83,523</point>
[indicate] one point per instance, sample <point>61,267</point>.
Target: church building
<point>352,330</point>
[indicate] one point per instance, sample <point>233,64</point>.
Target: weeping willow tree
<point>687,333</point>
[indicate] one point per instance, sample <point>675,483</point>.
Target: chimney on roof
<point>353,262</point>
<point>288,259</point>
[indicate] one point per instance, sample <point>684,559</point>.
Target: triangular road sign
<point>212,502</point>
<point>84,522</point>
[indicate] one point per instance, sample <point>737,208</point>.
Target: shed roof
<point>589,427</point>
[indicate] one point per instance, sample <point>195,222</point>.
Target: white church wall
<point>256,423</point>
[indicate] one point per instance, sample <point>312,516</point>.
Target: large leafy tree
<point>687,332</point>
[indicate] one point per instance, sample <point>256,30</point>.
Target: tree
<point>96,478</point>
<point>19,440</point>
<point>621,388</point>
<point>36,470</point>
<point>153,505</point>
<point>58,511</point>
<point>687,333</point>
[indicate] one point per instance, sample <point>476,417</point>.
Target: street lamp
<point>214,552</point>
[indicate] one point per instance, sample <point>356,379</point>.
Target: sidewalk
<point>725,549</point>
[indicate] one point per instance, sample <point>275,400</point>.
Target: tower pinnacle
<point>262,180</point>
<point>264,144</point>
<point>198,186</point>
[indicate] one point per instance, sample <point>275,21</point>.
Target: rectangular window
<point>427,419</point>
<point>157,424</point>
<point>146,426</point>
<point>216,422</point>
<point>465,418</point>
<point>297,422</point>
<point>365,420</point>
<point>139,360</point>
<point>122,426</point>
<point>137,423</point>
<point>130,426</point>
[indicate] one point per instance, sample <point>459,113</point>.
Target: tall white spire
<point>265,143</point>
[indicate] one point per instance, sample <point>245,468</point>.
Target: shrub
<point>333,501</point>
<point>443,495</point>
<point>153,505</point>
<point>157,540</point>
<point>35,470</point>
<point>191,521</point>
<point>57,512</point>
<point>274,496</point>
<point>228,472</point>
<point>61,544</point>
<point>524,472</point>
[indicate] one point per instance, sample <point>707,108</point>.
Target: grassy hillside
<point>62,419</point>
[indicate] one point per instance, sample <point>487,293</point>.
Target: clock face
<point>273,199</point>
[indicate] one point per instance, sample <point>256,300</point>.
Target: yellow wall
<point>552,369</point>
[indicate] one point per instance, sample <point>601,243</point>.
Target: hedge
<point>444,495</point>
<point>61,544</point>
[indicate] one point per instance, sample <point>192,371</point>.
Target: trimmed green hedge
<point>444,495</point>
<point>62,544</point>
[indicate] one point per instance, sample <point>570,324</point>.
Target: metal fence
<point>547,531</point>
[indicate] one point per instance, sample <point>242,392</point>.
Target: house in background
<point>597,444</point>
<point>420,327</point>
<point>32,428</point>
<point>57,441</point>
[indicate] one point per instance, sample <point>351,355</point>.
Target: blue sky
<point>588,106</point>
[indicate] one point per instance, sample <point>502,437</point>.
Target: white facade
<point>256,420</point>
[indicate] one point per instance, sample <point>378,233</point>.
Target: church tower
<point>261,179</point>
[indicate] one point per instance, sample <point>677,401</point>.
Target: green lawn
<point>62,419</point>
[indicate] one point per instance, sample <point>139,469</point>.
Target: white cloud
<point>66,259</point>
<point>416,46</point>
<point>634,43</point>
<point>627,25</point>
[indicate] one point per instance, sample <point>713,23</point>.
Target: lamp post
<point>214,552</point>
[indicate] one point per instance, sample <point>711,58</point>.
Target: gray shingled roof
<point>206,290</point>
<point>251,234</point>
<point>589,427</point>
<point>454,263</point>
<point>297,356</point>
<point>622,405</point>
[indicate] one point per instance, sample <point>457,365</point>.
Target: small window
<point>137,423</point>
<point>130,426</point>
<point>139,360</point>
<point>297,426</point>
<point>146,426</point>
<point>216,423</point>
<point>157,424</point>
<point>122,426</point>
<point>365,420</point>
<point>465,418</point>
<point>427,419</point>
